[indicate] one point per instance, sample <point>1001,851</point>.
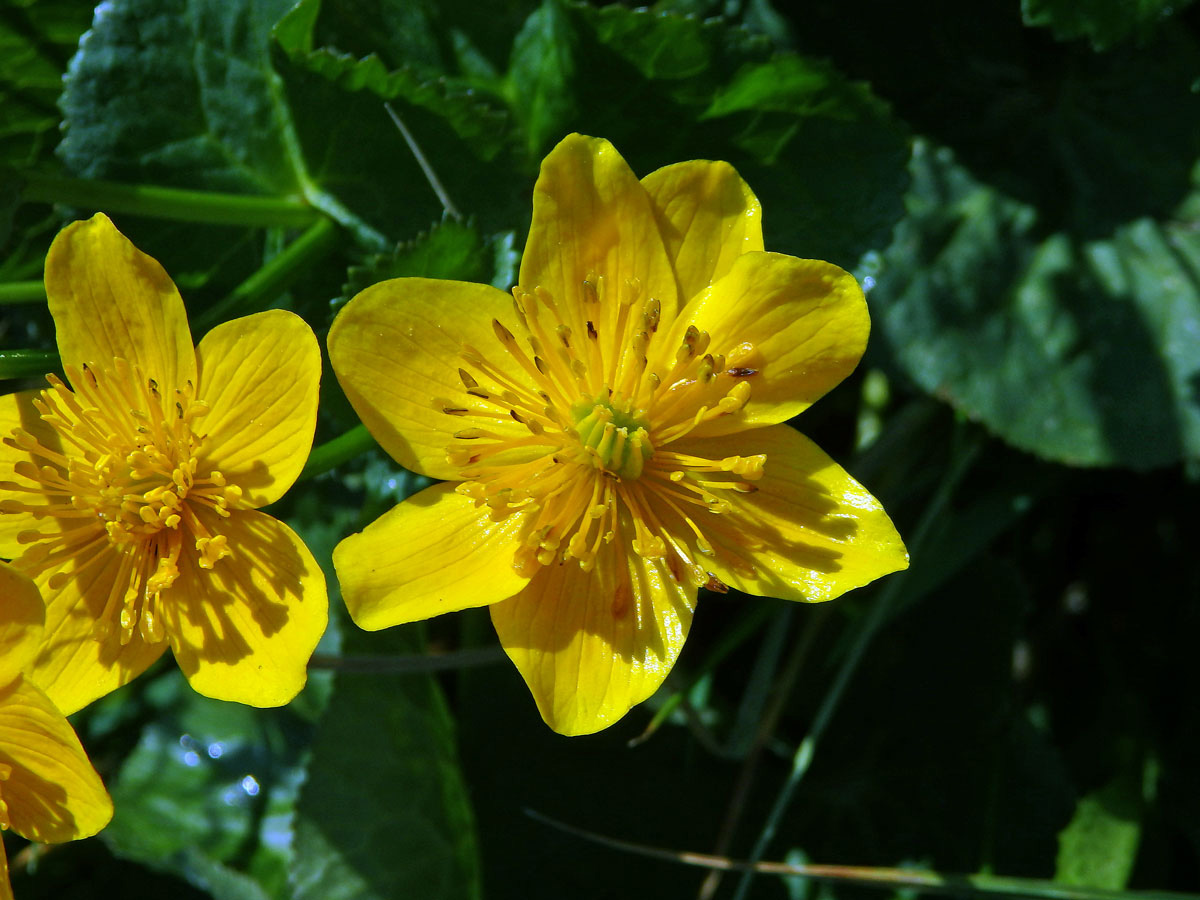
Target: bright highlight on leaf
<point>49,791</point>
<point>614,429</point>
<point>131,490</point>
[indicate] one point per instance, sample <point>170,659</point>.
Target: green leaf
<point>395,56</point>
<point>200,779</point>
<point>798,131</point>
<point>384,811</point>
<point>540,73</point>
<point>181,92</point>
<point>1078,351</point>
<point>36,40</point>
<point>450,249</point>
<point>1103,22</point>
<point>1099,846</point>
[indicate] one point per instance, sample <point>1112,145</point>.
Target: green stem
<point>342,448</point>
<point>921,880</point>
<point>275,276</point>
<point>167,203</point>
<point>14,292</point>
<point>804,753</point>
<point>27,363</point>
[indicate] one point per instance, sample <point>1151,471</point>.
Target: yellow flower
<point>49,791</point>
<point>612,435</point>
<point>132,493</point>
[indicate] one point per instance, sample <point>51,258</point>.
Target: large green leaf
<point>540,73</point>
<point>384,810</point>
<point>1103,22</point>
<point>803,135</point>
<point>1080,351</point>
<point>181,92</point>
<point>392,51</point>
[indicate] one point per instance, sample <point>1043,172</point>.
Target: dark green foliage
<point>1020,183</point>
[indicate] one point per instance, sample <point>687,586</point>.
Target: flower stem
<point>167,203</point>
<point>275,276</point>
<point>14,292</point>
<point>27,363</point>
<point>879,612</point>
<point>333,453</point>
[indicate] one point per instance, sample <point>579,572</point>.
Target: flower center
<point>591,463</point>
<point>125,467</point>
<point>615,435</point>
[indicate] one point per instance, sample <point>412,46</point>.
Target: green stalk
<point>275,276</point>
<point>342,448</point>
<point>868,876</point>
<point>27,363</point>
<point>14,292</point>
<point>878,615</point>
<point>209,207</point>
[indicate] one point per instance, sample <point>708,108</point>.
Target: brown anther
<point>467,380</point>
<point>541,366</point>
<point>505,336</point>
<point>591,329</point>
<point>716,585</point>
<point>516,418</point>
<point>741,372</point>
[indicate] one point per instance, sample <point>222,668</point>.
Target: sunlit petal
<point>590,645</point>
<point>245,629</point>
<point>110,299</point>
<point>708,217</point>
<point>807,532</point>
<point>17,411</point>
<point>789,328</point>
<point>434,553</point>
<point>74,666</point>
<point>592,218</point>
<point>21,625</point>
<point>396,349</point>
<point>260,376</point>
<point>53,794</point>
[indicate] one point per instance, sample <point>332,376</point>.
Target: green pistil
<point>616,433</point>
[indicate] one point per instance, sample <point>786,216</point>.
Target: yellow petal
<point>434,553</point>
<point>245,629</point>
<point>790,328</point>
<point>810,532</point>
<point>21,625</point>
<point>17,411</point>
<point>72,666</point>
<point>109,299</point>
<point>53,793</point>
<point>396,351</point>
<point>708,217</point>
<point>260,375</point>
<point>590,645</point>
<point>592,218</point>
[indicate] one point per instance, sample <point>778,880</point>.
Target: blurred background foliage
<point>1018,187</point>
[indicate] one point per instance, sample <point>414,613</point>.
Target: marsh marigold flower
<point>131,490</point>
<point>611,440</point>
<point>49,791</point>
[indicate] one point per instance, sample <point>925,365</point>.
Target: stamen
<point>125,471</point>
